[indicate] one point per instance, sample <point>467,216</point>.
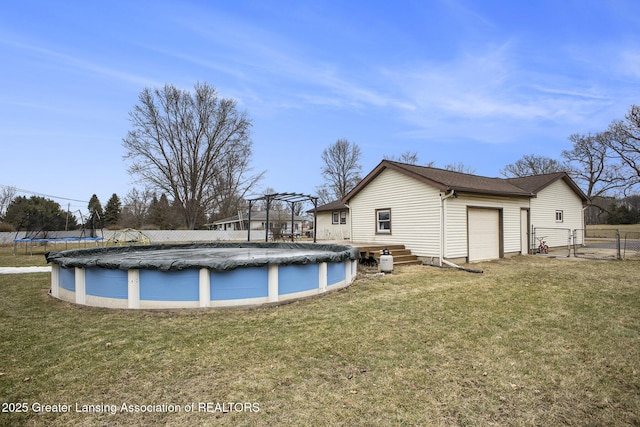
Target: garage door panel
<point>484,234</point>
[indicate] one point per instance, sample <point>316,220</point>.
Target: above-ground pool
<point>199,275</point>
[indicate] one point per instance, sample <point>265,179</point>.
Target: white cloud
<point>493,95</point>
<point>629,64</point>
<point>48,55</point>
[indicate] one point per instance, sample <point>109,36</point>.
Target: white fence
<point>157,236</point>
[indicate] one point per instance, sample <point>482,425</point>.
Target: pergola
<point>291,199</point>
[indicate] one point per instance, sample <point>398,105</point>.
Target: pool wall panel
<point>106,283</point>
<point>156,285</point>
<point>297,278</point>
<point>241,283</point>
<point>68,279</point>
<point>335,273</point>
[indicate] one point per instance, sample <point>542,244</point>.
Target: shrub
<point>6,227</point>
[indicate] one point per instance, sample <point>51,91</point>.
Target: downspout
<point>583,224</point>
<point>350,223</point>
<point>442,199</point>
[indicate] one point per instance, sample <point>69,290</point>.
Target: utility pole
<point>66,225</point>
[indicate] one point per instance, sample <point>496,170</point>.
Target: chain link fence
<point>607,243</point>
<point>558,240</point>
<point>630,244</point>
<point>593,243</point>
<point>62,240</point>
<point>154,236</point>
<point>597,243</point>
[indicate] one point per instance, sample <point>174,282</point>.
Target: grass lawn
<point>621,227</point>
<point>532,341</point>
<point>609,231</point>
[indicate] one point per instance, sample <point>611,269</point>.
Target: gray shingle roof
<point>336,205</point>
<point>445,180</point>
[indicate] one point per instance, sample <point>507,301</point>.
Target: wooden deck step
<point>401,255</point>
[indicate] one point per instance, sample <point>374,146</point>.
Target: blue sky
<point>477,82</point>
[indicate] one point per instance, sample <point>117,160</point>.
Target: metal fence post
<point>533,240</point>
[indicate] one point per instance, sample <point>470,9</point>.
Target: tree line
<point>141,209</point>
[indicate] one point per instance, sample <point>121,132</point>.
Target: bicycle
<point>542,247</point>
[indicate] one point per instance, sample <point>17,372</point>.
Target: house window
<point>559,216</point>
<point>343,217</point>
<point>335,217</point>
<point>383,221</point>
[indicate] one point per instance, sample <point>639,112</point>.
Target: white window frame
<point>380,229</point>
<point>559,215</point>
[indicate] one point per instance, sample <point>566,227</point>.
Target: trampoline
<point>199,275</point>
<point>37,232</point>
<point>53,239</point>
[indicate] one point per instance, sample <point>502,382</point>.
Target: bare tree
<point>341,169</point>
<point>591,164</point>
<point>232,183</point>
<point>532,164</point>
<point>408,157</point>
<point>136,207</point>
<point>182,142</point>
<point>624,139</point>
<point>7,195</point>
<point>459,167</point>
<point>324,195</point>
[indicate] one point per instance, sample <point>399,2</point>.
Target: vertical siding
<point>414,213</point>
<point>456,231</point>
<point>557,196</point>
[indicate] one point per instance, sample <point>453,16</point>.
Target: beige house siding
<point>556,197</point>
<point>456,232</point>
<point>413,196</point>
<point>414,213</point>
<point>326,230</point>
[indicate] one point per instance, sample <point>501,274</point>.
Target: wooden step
<point>401,263</point>
<point>395,252</point>
<point>407,257</point>
<point>401,255</point>
<point>376,249</point>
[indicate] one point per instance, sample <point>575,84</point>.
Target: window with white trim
<point>559,216</point>
<point>335,217</point>
<point>383,221</point>
<point>343,217</point>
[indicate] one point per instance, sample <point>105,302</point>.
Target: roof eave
<point>493,193</point>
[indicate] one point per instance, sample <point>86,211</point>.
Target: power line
<point>35,193</point>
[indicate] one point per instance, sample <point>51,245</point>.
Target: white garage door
<point>484,234</point>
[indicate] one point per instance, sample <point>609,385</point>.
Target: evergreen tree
<point>160,213</point>
<point>95,213</point>
<point>112,211</point>
<point>39,214</point>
